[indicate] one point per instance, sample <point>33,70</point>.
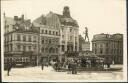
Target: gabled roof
<point>63,20</point>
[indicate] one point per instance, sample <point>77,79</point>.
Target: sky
<point>100,16</point>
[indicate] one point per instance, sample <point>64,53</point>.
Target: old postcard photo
<point>63,40</point>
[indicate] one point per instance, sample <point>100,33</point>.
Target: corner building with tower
<point>62,29</point>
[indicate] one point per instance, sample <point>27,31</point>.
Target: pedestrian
<point>42,66</point>
<point>75,67</point>
<point>69,67</point>
<point>72,66</point>
<point>9,66</point>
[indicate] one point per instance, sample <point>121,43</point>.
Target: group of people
<point>70,65</point>
<point>73,64</point>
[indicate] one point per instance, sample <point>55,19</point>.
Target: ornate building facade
<point>109,46</point>
<point>46,37</point>
<point>62,29</point>
<point>20,40</point>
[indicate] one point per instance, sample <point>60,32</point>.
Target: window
<point>101,46</point>
<point>10,47</point>
<point>50,50</point>
<point>56,33</point>
<point>101,51</point>
<point>35,48</point>
<point>95,45</point>
<point>75,48</point>
<point>42,49</point>
<point>11,37</point>
<point>106,44</point>
<point>70,30</point>
<point>24,48</point>
<point>18,47</point>
<point>7,38</point>
<point>45,31</point>
<point>46,41</point>
<point>46,50</point>
<point>24,38</point>
<point>107,51</point>
<point>42,31</point>
<point>29,38</point>
<point>42,41</point>
<point>53,50</point>
<point>49,41</point>
<point>95,51</point>
<point>63,48</point>
<point>56,50</point>
<point>62,36</point>
<point>111,51</point>
<point>50,32</point>
<point>34,39</point>
<point>18,37</point>
<point>29,48</point>
<point>53,32</point>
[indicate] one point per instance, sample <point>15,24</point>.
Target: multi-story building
<point>20,40</point>
<point>47,37</point>
<point>63,30</point>
<point>109,46</point>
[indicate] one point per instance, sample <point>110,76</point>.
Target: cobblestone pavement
<point>36,74</point>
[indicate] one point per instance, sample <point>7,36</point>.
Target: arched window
<point>101,51</point>
<point>50,50</point>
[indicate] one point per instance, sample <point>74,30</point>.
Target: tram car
<point>20,61</point>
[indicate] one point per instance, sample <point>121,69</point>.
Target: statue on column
<point>86,33</point>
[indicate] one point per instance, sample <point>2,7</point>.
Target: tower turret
<point>66,12</point>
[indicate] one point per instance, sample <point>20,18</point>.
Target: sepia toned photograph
<point>63,41</point>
